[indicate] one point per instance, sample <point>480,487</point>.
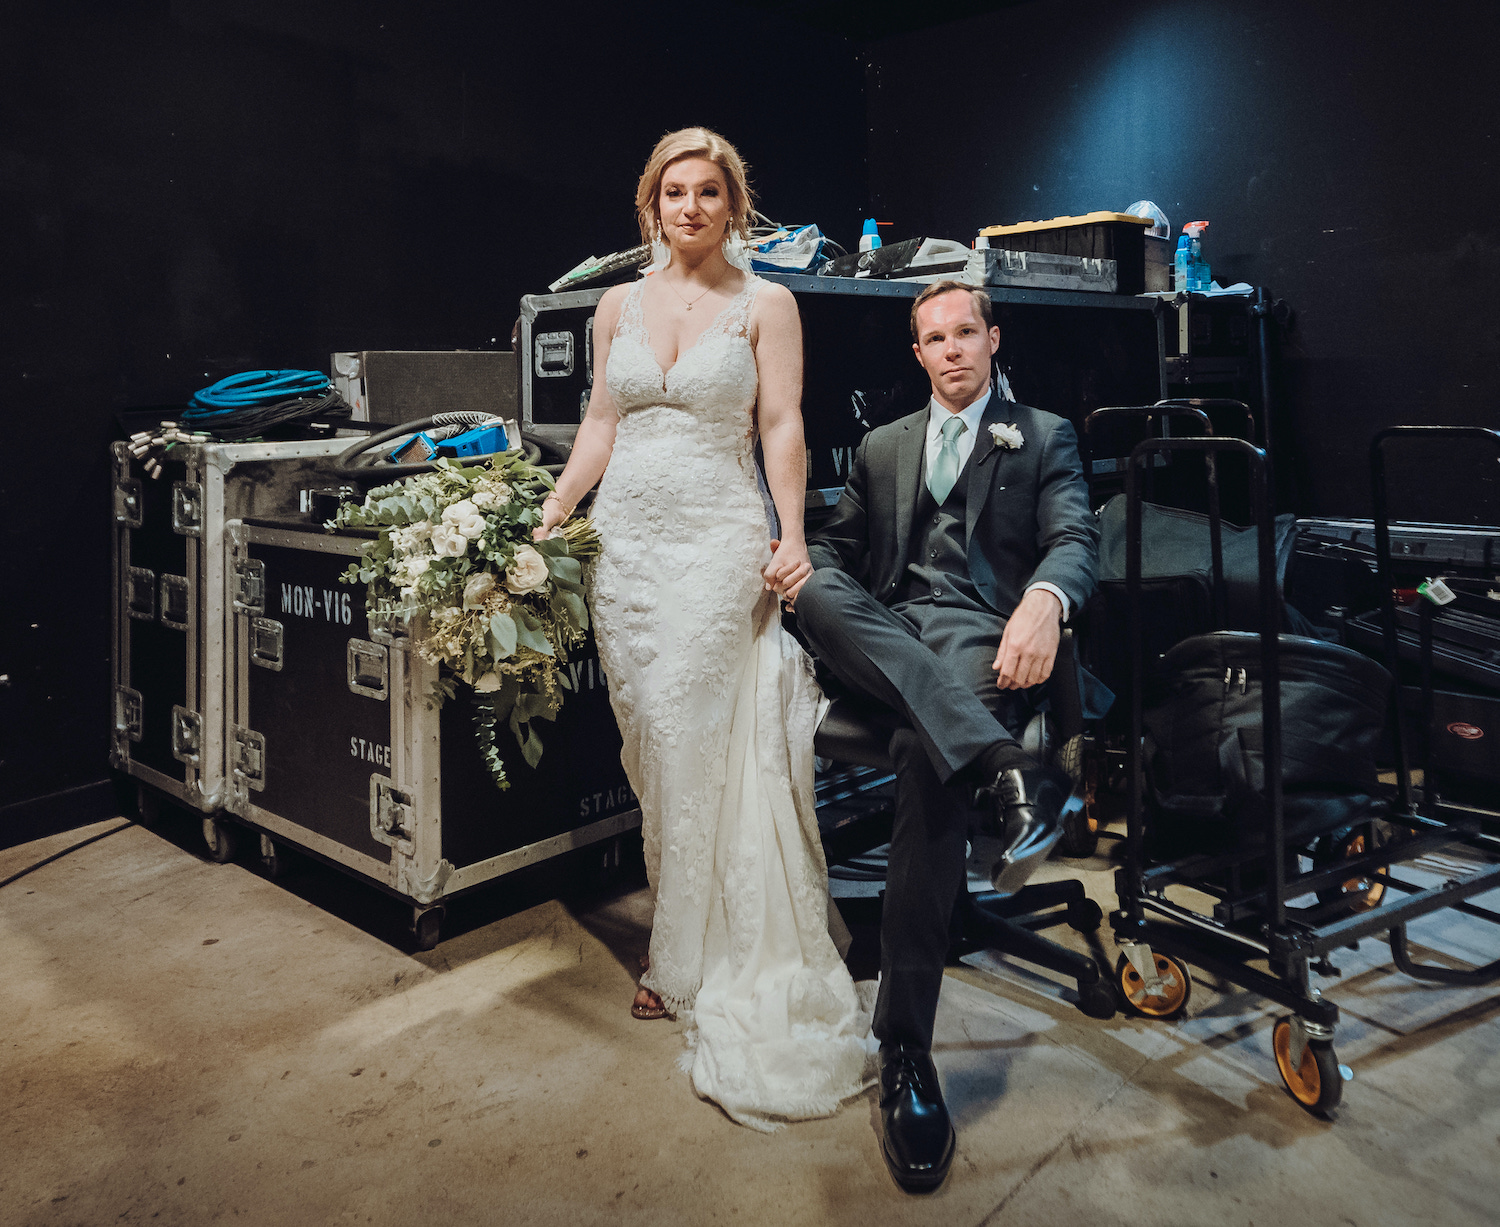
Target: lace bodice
<point>713,379</point>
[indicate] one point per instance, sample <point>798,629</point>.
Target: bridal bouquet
<point>497,610</point>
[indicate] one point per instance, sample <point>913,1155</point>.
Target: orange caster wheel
<point>1166,996</point>
<point>1313,1078</point>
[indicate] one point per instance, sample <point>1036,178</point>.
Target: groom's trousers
<point>931,666</point>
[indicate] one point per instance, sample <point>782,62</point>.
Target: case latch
<point>187,735</point>
<point>369,668</point>
<point>127,713</point>
<point>174,602</point>
<point>390,814</point>
<point>554,355</point>
<point>187,508</point>
<point>128,501</point>
<point>140,594</point>
<point>249,591</point>
<point>247,756</point>
<point>265,643</point>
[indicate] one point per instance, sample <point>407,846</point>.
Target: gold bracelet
<point>567,509</point>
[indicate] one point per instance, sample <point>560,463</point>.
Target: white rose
<point>527,572</point>
<point>478,587</point>
<point>465,517</point>
<point>1006,435</point>
<point>483,499</point>
<point>448,542</point>
<point>421,531</point>
<point>418,565</point>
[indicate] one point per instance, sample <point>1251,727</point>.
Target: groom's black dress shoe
<point>1029,805</point>
<point>916,1136</point>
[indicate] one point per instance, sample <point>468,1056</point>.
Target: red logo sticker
<point>1469,732</point>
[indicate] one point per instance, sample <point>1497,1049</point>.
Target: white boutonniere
<point>1006,435</point>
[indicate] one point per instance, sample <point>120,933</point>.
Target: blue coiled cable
<point>247,404</point>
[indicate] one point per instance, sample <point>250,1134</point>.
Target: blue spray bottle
<point>1199,276</point>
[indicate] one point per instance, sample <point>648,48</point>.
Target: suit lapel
<point>909,450</point>
<point>984,463</point>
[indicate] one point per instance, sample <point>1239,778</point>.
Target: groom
<point>961,543</point>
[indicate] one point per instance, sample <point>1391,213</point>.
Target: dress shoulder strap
<point>632,323</point>
<point>734,320</point>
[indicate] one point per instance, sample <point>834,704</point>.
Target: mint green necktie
<point>945,468</point>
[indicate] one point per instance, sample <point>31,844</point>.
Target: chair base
<point>1008,923</point>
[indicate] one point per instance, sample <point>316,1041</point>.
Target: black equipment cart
<point>1262,755</point>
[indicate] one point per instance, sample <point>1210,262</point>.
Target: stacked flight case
<point>168,601</point>
<point>1066,352</point>
<point>336,747</point>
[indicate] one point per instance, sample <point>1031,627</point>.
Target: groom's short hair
<point>981,301</point>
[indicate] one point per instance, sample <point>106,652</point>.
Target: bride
<point>716,703</point>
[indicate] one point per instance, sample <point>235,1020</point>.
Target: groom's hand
<point>1028,647</point>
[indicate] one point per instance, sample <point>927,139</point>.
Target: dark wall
<point>200,187</point>
<point>1345,157</point>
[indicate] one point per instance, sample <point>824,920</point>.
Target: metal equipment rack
<point>1262,921</point>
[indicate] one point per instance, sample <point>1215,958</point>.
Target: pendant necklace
<point>689,303</point>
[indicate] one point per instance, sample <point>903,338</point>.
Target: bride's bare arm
<point>778,361</point>
<point>596,433</point>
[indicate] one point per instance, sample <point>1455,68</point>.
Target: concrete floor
<point>184,1042</point>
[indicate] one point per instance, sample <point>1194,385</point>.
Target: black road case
<point>167,599</point>
<point>335,747</point>
<point>1068,353</point>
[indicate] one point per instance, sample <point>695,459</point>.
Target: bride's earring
<point>660,252</point>
<point>736,251</point>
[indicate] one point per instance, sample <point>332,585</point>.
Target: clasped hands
<point>1028,646</point>
<point>788,569</point>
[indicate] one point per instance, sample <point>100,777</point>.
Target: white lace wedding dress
<point>717,707</point>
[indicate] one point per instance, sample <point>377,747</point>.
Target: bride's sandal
<point>647,1005</point>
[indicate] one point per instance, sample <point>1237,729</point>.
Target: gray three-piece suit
<point>906,607</point>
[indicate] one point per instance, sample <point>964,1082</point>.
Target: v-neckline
<point>666,371</point>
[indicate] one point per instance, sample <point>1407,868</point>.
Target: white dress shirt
<point>938,414</point>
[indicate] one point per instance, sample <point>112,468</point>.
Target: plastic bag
<point>1161,228</point>
<point>787,251</point>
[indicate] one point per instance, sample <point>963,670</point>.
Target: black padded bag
<point>1176,543</point>
<point>1176,581</point>
<point>1204,750</point>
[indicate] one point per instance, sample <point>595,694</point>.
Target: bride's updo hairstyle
<point>693,143</point>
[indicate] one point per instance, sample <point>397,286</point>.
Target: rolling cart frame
<point>1160,937</point>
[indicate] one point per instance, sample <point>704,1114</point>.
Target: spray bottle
<point>1182,264</point>
<point>1199,276</point>
<point>870,239</point>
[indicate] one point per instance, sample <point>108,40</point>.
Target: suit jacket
<point>1028,516</point>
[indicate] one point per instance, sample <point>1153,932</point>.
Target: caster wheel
<point>1316,1082</point>
<point>1080,835</point>
<point>426,927</point>
<point>222,840</point>
<point>1098,1000</point>
<point>1358,894</point>
<point>273,860</point>
<point>147,806</point>
<point>1166,999</point>
<point>1085,916</point>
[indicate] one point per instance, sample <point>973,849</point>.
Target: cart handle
<point>1213,402</point>
<point>1086,442</point>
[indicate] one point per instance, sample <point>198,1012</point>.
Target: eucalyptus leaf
<point>502,635</point>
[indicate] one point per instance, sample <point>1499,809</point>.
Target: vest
<point>937,568</point>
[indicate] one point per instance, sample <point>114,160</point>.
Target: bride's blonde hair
<point>693,143</point>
